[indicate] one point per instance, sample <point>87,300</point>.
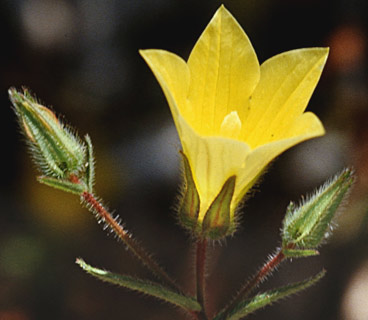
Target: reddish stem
<point>126,237</point>
<point>201,276</point>
<point>262,274</point>
<point>73,178</point>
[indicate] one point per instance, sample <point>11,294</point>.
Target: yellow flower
<point>234,116</point>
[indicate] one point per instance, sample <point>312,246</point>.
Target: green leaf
<point>143,286</point>
<point>263,299</point>
<point>299,253</point>
<point>64,185</point>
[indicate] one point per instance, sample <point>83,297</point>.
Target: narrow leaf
<point>143,286</point>
<point>263,299</point>
<point>64,185</point>
<point>90,172</point>
<point>299,253</point>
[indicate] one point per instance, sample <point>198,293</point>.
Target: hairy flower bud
<point>56,151</point>
<point>65,161</point>
<point>306,226</point>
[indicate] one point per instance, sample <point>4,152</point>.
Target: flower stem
<point>262,274</point>
<point>201,276</point>
<point>103,215</point>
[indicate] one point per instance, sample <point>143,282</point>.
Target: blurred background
<point>81,57</point>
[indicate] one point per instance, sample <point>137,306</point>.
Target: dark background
<point>81,57</point>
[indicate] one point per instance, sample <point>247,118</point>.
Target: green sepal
<point>299,253</point>
<point>90,165</point>
<point>216,222</point>
<point>263,299</point>
<point>190,202</point>
<point>64,185</point>
<point>143,286</point>
<point>307,225</point>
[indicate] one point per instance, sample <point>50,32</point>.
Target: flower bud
<point>307,225</point>
<point>56,151</point>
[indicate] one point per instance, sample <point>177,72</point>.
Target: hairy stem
<point>261,275</point>
<point>96,207</point>
<point>201,276</point>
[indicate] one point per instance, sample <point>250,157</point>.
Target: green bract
<point>190,202</point>
<point>216,222</point>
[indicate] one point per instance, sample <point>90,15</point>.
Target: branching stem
<point>126,237</point>
<point>261,275</point>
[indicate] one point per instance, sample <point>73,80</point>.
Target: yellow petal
<point>172,73</point>
<point>286,85</point>
<point>212,159</point>
<point>224,71</point>
<point>304,127</point>
<point>233,116</point>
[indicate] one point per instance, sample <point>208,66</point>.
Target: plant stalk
<point>128,240</point>
<point>201,253</point>
<point>261,275</point>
